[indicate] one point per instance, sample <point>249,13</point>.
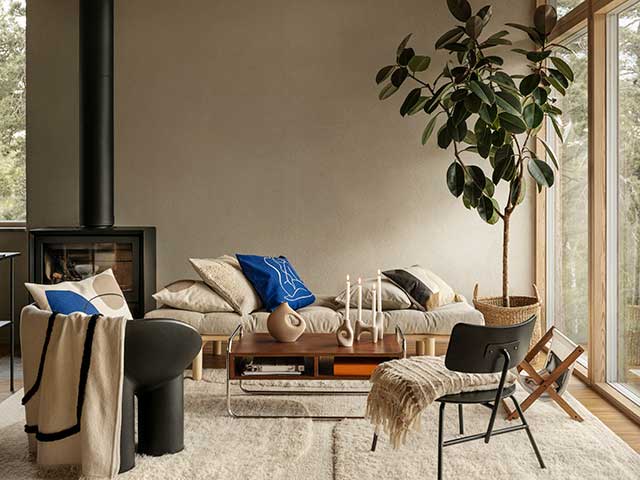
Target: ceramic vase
<point>285,324</point>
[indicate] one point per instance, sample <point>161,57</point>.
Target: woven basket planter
<point>520,310</point>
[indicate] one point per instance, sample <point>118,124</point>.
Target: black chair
<point>156,353</point>
<point>478,349</point>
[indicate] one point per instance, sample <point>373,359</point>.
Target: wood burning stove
<point>59,255</point>
<point>62,254</point>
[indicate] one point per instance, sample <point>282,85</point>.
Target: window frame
<point>613,195</point>
<point>594,15</point>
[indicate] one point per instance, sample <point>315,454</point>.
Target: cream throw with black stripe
<point>402,389</point>
<point>73,373</point>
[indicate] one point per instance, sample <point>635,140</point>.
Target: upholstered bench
<point>324,316</point>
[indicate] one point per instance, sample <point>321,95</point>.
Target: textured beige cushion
<point>447,295</point>
<point>192,295</point>
<point>225,277</point>
<point>393,297</point>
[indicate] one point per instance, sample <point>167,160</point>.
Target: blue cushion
<point>276,281</point>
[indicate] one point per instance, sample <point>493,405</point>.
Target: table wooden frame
<point>314,345</point>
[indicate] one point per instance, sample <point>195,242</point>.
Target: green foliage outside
<point>565,6</point>
<point>629,194</point>
<point>12,110</point>
<point>571,260</point>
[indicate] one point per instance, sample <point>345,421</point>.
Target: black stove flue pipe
<point>96,113</point>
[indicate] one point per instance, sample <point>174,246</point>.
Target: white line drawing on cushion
<point>289,281</point>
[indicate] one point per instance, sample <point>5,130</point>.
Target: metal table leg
<point>11,325</point>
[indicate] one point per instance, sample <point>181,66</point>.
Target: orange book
<point>355,369</point>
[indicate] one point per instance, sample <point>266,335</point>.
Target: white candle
<point>359,299</point>
<point>348,302</point>
<point>373,306</point>
<point>379,291</point>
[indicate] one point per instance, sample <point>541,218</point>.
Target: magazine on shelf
<point>272,369</point>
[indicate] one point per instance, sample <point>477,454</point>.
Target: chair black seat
<point>479,349</point>
<point>484,396</point>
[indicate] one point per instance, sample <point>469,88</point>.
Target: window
<point>12,111</point>
<point>567,207</point>
<point>565,6</point>
<point>623,190</point>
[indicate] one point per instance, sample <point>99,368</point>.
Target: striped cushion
<point>425,289</point>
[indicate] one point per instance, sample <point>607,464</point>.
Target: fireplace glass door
<point>74,258</point>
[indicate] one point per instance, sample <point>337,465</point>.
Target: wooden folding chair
<point>553,379</point>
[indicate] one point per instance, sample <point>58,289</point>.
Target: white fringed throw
<point>402,389</point>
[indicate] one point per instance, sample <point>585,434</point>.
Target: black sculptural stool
<point>156,353</point>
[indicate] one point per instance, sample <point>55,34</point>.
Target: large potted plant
<point>481,112</point>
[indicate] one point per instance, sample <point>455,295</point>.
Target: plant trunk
<point>505,258</point>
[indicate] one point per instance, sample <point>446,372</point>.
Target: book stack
<point>273,366</point>
<point>358,367</point>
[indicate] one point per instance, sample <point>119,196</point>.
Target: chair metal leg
<point>492,421</point>
<point>460,419</point>
<point>374,442</point>
<point>531,439</point>
<point>440,439</point>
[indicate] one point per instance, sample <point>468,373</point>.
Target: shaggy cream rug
<point>220,447</point>
<point>570,449</point>
<point>216,445</point>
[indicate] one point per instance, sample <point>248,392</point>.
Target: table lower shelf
<point>299,377</point>
<point>312,367</point>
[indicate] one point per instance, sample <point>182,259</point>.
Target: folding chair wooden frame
<point>546,384</point>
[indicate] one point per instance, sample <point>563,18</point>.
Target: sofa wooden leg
<point>420,347</point>
<point>196,366</point>
<point>431,346</point>
<point>217,347</point>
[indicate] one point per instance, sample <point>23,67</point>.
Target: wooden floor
<point>598,406</point>
<point>619,423</point>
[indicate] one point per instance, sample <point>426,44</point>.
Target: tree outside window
<point>12,110</point>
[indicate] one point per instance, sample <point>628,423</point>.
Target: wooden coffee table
<point>317,351</point>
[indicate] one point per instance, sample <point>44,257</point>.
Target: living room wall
<point>254,126</point>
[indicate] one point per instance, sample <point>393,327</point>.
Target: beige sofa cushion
<point>322,317</point>
<point>319,319</point>
<point>215,323</point>
<point>439,321</point>
<point>192,295</point>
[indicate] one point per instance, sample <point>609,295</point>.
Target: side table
<point>11,256</point>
